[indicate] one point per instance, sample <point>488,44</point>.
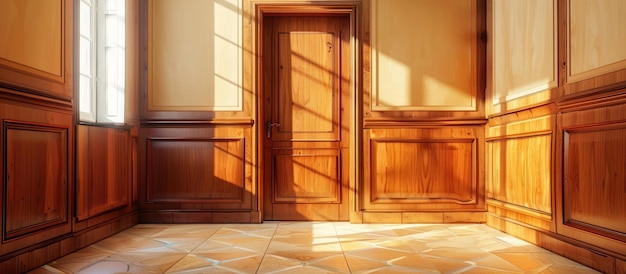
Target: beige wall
<point>195,55</point>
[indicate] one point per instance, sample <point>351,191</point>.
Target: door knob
<point>268,128</point>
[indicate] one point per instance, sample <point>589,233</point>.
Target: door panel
<point>307,176</point>
<point>307,107</point>
<point>308,89</point>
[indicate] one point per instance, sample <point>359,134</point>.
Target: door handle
<point>268,128</point>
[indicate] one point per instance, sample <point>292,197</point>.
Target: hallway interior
<point>312,247</point>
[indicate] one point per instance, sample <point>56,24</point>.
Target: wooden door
<point>306,87</point>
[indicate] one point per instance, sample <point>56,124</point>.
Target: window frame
<point>104,101</point>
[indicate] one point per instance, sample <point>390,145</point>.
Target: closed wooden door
<point>306,87</point>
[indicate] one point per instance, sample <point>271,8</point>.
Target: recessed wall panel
<point>31,36</point>
<point>596,38</point>
<point>195,170</point>
<point>421,170</point>
<point>194,55</point>
<point>34,201</point>
<point>424,55</point>
<point>524,48</point>
<point>594,179</point>
<point>305,177</point>
<point>521,172</point>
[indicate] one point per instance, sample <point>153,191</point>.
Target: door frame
<point>354,9</point>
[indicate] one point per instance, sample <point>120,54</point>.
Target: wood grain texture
<point>196,167</point>
<point>590,193</point>
<point>523,48</point>
<point>306,83</point>
<point>521,215</point>
<point>594,176</point>
<point>596,38</point>
<point>430,66</point>
<point>307,79</point>
<point>37,173</point>
<point>521,171</point>
<point>520,157</point>
<point>307,176</point>
<point>104,171</point>
<point>195,170</point>
<point>36,46</point>
<point>408,170</point>
<point>34,200</point>
<point>411,169</point>
<point>32,35</point>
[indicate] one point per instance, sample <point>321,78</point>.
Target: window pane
<point>86,103</point>
<point>85,19</point>
<point>111,98</point>
<point>112,5</point>
<point>85,57</point>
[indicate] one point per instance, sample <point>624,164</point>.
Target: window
<point>102,61</point>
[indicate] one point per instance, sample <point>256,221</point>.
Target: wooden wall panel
<point>520,166</point>
<point>596,38</point>
<point>110,174</point>
<point>195,170</point>
<point>36,46</point>
<point>103,170</point>
<point>34,200</point>
<point>591,189</point>
<point>37,173</point>
<point>414,170</point>
<point>194,55</point>
<point>523,49</point>
<point>431,65</point>
<point>32,34</point>
<point>307,176</point>
<point>593,179</point>
<point>521,171</point>
<point>411,169</point>
<point>200,169</point>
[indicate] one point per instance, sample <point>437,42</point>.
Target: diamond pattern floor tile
<point>312,247</point>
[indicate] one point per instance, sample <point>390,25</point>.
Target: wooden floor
<point>312,247</point>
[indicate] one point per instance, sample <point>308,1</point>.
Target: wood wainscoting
<point>422,132</point>
<point>520,161</point>
<point>37,182</point>
<point>556,136</point>
<point>197,174</point>
<point>591,192</point>
<point>423,175</point>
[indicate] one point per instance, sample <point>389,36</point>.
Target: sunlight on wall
<point>430,65</point>
<point>524,48</point>
<point>195,55</point>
